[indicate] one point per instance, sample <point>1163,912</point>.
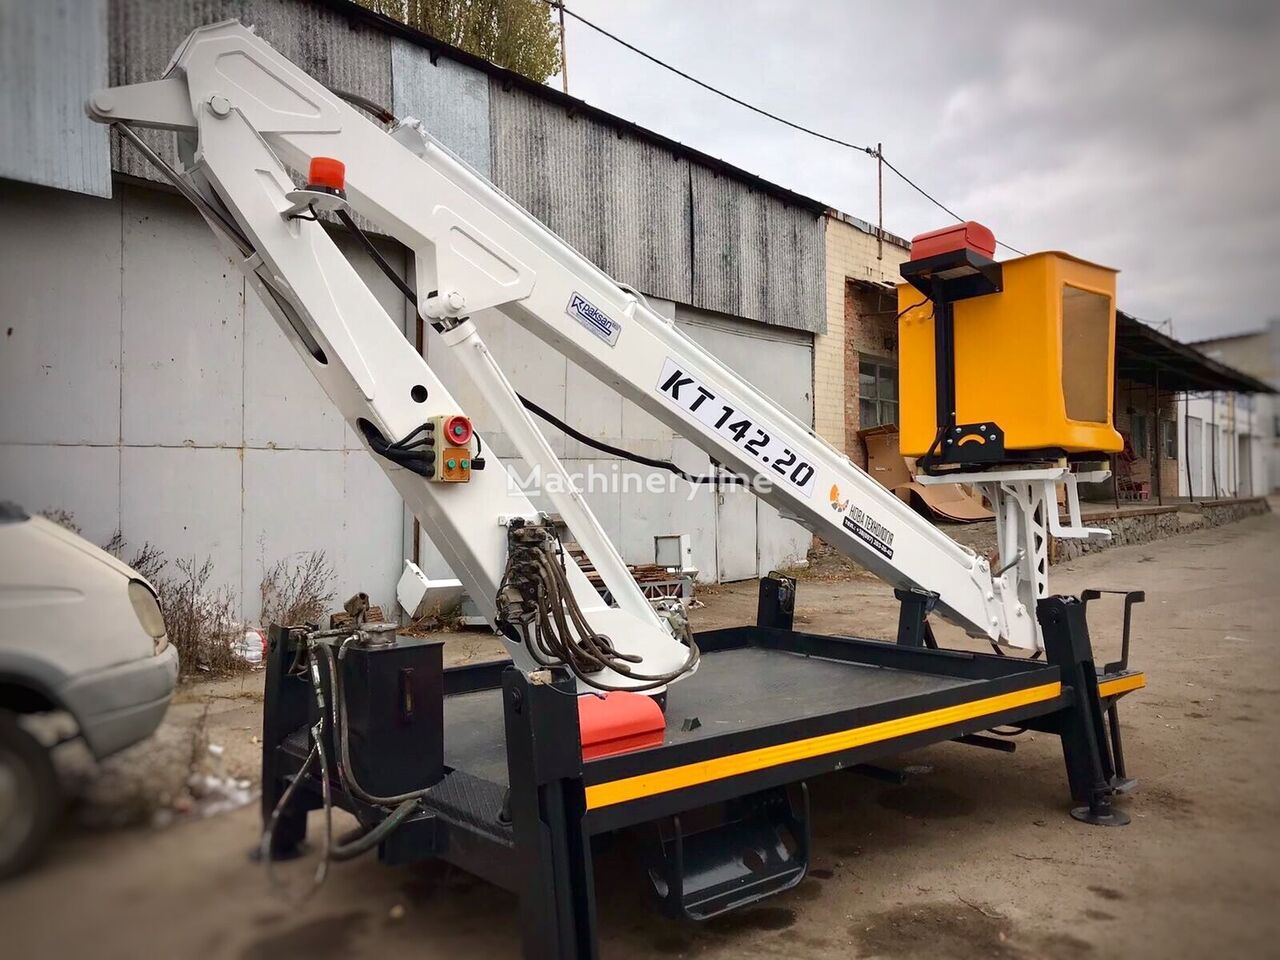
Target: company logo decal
<point>594,319</point>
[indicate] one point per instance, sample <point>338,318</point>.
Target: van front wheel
<point>30,797</point>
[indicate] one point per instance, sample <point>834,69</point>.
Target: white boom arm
<point>246,116</point>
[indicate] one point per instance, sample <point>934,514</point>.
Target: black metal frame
<point>913,617</point>
<point>535,837</point>
<point>944,279</point>
<point>1121,782</point>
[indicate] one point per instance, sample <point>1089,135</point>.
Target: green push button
<point>466,464</point>
<point>451,463</point>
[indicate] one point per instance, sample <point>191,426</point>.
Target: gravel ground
<point>974,857</point>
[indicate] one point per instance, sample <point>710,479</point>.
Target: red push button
<point>458,431</point>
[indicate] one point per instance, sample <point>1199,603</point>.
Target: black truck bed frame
<point>768,707</point>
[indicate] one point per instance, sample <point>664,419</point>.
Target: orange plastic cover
<point>619,722</point>
<point>969,234</point>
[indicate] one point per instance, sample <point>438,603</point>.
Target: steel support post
<point>777,604</point>
<point>913,623</point>
<point>1084,743</point>
<point>285,705</point>
<point>553,850</point>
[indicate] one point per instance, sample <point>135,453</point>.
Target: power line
<point>936,202</point>
<point>868,150</point>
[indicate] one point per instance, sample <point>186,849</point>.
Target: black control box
<point>393,699</point>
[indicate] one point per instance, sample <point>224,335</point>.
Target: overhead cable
<point>874,152</point>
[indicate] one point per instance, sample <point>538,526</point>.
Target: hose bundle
<point>361,840</point>
<point>536,601</point>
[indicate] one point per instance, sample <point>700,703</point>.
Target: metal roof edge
<point>859,224</point>
<point>1260,332</point>
<point>510,78</point>
<point>1238,381</point>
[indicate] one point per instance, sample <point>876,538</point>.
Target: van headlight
<point>147,608</point>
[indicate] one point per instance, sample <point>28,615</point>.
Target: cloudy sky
<point>1143,134</point>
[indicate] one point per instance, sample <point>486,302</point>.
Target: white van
<point>80,632</point>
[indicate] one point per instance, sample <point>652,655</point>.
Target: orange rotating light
<point>326,173</point>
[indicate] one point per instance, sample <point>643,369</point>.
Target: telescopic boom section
<point>255,116</point>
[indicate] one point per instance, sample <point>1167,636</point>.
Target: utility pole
<point>564,55</point>
<point>880,201</point>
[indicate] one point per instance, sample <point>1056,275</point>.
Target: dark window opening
<point>877,393</point>
<point>1169,440</point>
<point>1139,437</point>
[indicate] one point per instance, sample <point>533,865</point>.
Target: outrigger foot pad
<point>1101,816</point>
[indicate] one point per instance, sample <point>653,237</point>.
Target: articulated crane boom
<point>245,117</point>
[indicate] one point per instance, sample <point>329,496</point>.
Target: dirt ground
<point>974,857</point>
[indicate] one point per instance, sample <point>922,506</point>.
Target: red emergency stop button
<point>458,431</point>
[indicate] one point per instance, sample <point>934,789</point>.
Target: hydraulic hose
<point>536,600</point>
<point>369,839</point>
<point>349,846</point>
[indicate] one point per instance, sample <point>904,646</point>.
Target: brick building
<point>1147,418</point>
<point>855,361</point>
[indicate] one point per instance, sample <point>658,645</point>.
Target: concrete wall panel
<point>284,405</point>
<point>594,409</point>
<point>647,515</point>
<point>293,504</point>
<point>600,483</point>
<point>59,317</point>
<point>337,501</point>
<point>370,551</point>
<point>779,542</point>
<point>183,356</point>
<point>80,480</point>
<point>737,543</point>
<point>778,363</point>
<point>187,502</point>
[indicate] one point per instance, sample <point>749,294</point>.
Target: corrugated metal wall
<point>144,34</point>
<point>52,54</point>
<point>451,99</point>
<point>663,224</point>
<point>755,256</point>
<point>621,202</point>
